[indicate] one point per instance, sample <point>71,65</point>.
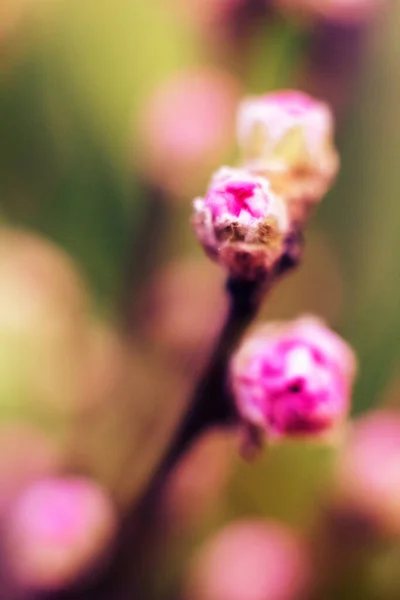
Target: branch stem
<point>210,405</point>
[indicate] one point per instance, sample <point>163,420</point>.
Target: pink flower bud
<point>250,560</point>
<point>241,222</point>
<point>293,379</point>
<point>368,480</point>
<point>339,11</point>
<point>56,531</point>
<point>288,136</point>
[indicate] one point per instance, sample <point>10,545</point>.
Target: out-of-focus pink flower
<point>186,127</point>
<point>241,222</point>
<point>57,530</point>
<point>250,560</point>
<point>199,479</point>
<point>293,379</point>
<point>340,11</point>
<point>288,136</point>
<point>184,309</point>
<point>368,472</point>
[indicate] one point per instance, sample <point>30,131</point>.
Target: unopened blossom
<point>250,560</point>
<point>241,223</point>
<point>368,476</point>
<point>57,529</point>
<point>345,12</point>
<point>293,378</point>
<point>288,136</point>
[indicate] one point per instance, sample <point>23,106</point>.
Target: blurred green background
<point>75,78</point>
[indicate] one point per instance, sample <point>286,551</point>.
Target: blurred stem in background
<point>361,213</point>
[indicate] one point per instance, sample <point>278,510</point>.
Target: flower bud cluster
<point>289,162</point>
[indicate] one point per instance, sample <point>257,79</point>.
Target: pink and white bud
<point>288,136</point>
<point>56,531</point>
<point>241,223</point>
<point>250,560</point>
<point>292,379</point>
<point>368,479</point>
<point>346,12</point>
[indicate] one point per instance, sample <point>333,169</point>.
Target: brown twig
<point>210,405</point>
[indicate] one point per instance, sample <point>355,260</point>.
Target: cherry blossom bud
<point>288,136</point>
<point>293,378</point>
<point>250,560</point>
<point>368,480</point>
<point>339,11</point>
<point>241,223</point>
<point>56,531</point>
